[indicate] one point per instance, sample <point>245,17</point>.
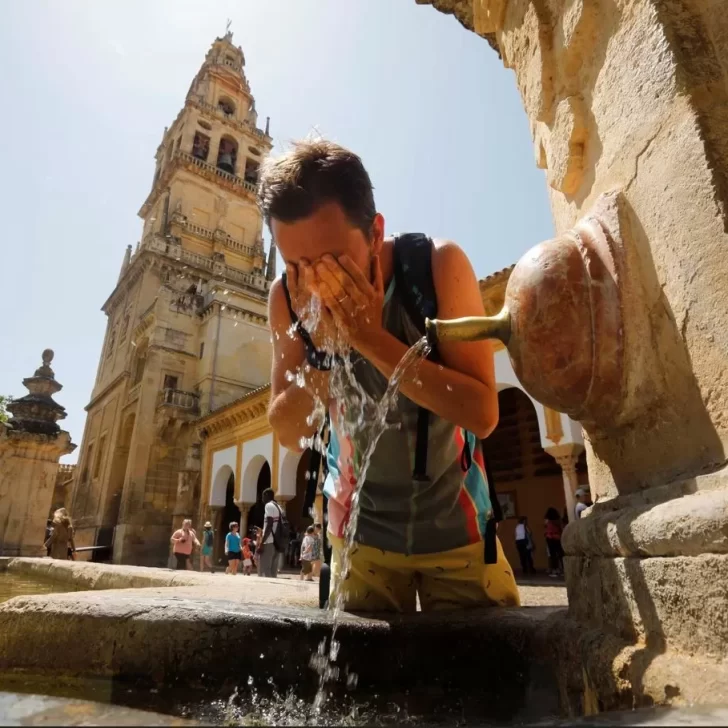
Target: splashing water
<point>363,419</point>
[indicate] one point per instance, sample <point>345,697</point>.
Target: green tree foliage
<point>5,400</point>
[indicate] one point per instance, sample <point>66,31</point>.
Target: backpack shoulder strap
<point>416,289</point>
<point>413,276</point>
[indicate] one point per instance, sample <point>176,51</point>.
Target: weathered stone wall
<point>629,97</point>
<point>626,96</point>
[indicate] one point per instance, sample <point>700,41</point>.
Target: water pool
<point>15,585</point>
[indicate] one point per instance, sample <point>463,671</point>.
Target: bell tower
<point>187,327</point>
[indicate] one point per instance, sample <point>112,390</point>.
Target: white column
<point>566,456</point>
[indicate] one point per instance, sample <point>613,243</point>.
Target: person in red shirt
<point>247,557</point>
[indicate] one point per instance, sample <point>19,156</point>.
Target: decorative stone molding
<point>251,406</point>
<point>554,430</point>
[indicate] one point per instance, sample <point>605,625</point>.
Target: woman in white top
<point>524,544</point>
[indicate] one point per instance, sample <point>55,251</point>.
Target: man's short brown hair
<point>311,174</point>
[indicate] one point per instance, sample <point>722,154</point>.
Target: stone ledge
<point>532,662</point>
<point>83,574</point>
<point>687,526</point>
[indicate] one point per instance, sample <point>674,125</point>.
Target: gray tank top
<point>399,513</point>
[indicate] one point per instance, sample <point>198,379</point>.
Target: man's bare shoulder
<point>277,304</point>
<point>449,259</point>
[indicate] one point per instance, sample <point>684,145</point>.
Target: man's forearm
<point>456,397</point>
<point>290,410</point>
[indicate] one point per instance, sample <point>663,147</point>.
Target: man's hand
<point>313,316</point>
<point>355,303</point>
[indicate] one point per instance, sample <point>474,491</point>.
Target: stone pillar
<point>30,445</point>
<point>244,512</point>
<point>626,104</point>
<point>566,456</point>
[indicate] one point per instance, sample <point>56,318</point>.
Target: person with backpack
<point>208,539</point>
<point>426,524</point>
<point>276,533</point>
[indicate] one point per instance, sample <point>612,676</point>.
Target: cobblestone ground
<point>288,589</point>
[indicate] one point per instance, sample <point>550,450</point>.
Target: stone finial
<point>37,412</point>
<point>45,370</point>
<point>270,271</point>
<point>125,262</point>
<point>267,125</point>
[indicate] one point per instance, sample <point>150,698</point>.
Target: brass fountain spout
<point>470,328</point>
<point>561,320</point>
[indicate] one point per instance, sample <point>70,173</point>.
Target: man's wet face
<point>325,231</point>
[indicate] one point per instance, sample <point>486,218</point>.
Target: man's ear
<point>377,233</point>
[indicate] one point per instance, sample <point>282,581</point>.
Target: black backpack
<point>282,534</point>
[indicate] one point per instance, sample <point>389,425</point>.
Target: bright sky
<point>89,87</point>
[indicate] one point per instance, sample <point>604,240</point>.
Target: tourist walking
<point>184,540</point>
<point>307,555</point>
<point>583,501</point>
<point>60,543</point>
<point>553,530</point>
<point>208,541</point>
<point>271,545</point>
<point>247,557</point>
<point>233,548</point>
<point>524,544</point>
<point>317,549</point>
<point>47,538</point>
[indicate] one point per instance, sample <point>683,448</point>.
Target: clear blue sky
<point>89,87</point>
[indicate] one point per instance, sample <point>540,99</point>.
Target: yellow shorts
<point>384,581</point>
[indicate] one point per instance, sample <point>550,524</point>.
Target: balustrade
<point>180,398</point>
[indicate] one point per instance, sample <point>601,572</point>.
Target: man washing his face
<point>425,525</point>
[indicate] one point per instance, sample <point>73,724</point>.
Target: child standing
<point>307,554</point>
<point>232,548</point>
<point>247,557</point>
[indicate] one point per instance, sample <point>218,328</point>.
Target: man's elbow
<point>484,428</point>
<point>486,421</point>
<point>281,425</point>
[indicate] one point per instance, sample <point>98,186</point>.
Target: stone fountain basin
<point>179,637</point>
<point>517,665</point>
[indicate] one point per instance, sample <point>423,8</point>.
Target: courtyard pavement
<point>288,589</point>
